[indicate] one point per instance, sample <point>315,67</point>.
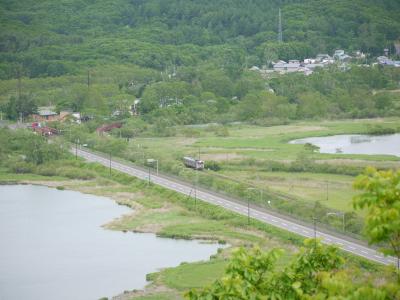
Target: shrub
<point>21,167</point>
<point>75,173</point>
<point>221,131</point>
<point>191,132</point>
<point>212,165</point>
<point>46,170</point>
<point>380,130</point>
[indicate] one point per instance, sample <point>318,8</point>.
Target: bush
<point>46,170</point>
<point>191,132</point>
<point>75,173</point>
<point>221,131</point>
<point>212,165</point>
<point>380,130</point>
<point>21,167</point>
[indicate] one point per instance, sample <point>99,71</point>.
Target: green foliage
<point>32,149</point>
<point>188,61</point>
<point>21,106</point>
<point>212,165</point>
<point>252,274</point>
<point>272,51</point>
<point>381,198</point>
<point>380,130</point>
<point>314,274</point>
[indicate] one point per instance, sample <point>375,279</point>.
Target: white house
<point>284,67</point>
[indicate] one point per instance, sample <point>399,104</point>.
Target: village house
<point>384,60</point>
<point>360,55</point>
<point>341,56</point>
<point>314,65</point>
<point>307,66</point>
<point>49,114</point>
<point>134,108</point>
<point>45,114</point>
<point>284,67</point>
<point>324,57</point>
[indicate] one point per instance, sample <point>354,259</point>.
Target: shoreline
<point>76,186</point>
<point>170,215</point>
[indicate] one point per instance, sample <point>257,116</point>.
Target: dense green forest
<point>188,60</point>
<point>52,38</point>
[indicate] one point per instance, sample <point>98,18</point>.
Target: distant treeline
<point>52,38</point>
<point>188,60</point>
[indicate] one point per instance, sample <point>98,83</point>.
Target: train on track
<point>193,163</point>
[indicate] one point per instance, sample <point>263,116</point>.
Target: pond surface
<point>356,144</point>
<point>52,247</point>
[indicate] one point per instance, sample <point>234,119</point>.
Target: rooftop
<point>46,111</point>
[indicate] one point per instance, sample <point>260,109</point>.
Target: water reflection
<point>52,247</point>
<point>355,144</point>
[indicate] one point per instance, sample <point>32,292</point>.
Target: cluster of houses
<point>46,115</point>
<point>385,61</point>
<point>308,65</point>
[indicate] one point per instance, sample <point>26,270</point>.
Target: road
<point>187,189</point>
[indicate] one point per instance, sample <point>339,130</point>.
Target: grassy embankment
<point>169,214</point>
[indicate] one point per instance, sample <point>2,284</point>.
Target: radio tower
<point>280,37</point>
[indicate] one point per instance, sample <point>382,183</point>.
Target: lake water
<point>52,247</point>
<point>356,144</point>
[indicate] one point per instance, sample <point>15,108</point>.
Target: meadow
<point>259,163</point>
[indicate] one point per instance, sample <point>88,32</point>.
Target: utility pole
<point>344,222</point>
<point>339,214</point>
<point>149,176</point>
<point>88,79</point>
<point>327,190</point>
<point>88,86</point>
<point>76,149</point>
<point>19,86</point>
<point>195,190</point>
<point>248,204</point>
<point>151,161</point>
<point>110,163</point>
<point>248,211</point>
<point>315,231</point>
<point>157,166</point>
<point>315,224</point>
<point>280,35</point>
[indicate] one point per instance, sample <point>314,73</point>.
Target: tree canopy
<point>315,273</point>
<point>380,196</point>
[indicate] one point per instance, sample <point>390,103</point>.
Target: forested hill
<point>53,38</point>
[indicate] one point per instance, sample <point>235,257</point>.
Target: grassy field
<point>261,142</point>
<point>242,156</point>
<point>333,190</point>
<point>273,142</point>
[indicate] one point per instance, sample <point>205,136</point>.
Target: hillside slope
<point>52,38</point>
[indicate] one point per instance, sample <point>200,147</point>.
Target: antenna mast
<point>280,36</point>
